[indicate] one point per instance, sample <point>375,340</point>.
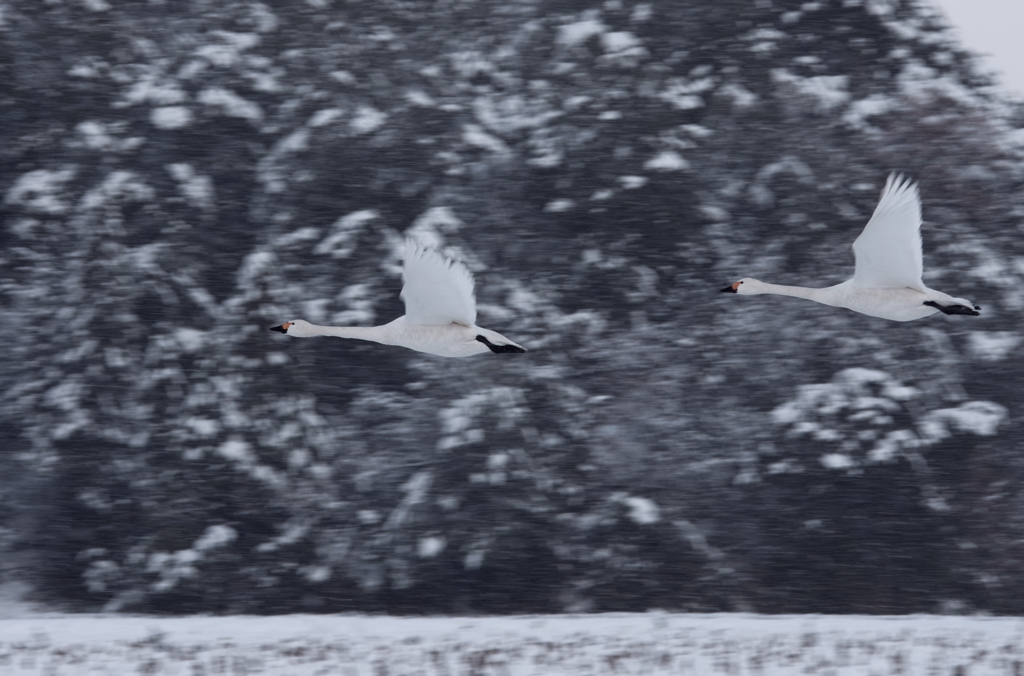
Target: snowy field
<point>648,644</point>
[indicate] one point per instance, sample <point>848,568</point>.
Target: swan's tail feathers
<point>281,329</point>
<point>957,309</point>
<point>501,348</point>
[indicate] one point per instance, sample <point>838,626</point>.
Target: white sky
<point>995,29</point>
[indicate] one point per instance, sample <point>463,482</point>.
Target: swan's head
<point>746,286</point>
<point>297,327</point>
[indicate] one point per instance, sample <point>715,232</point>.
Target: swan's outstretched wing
<point>437,291</point>
<point>888,252</point>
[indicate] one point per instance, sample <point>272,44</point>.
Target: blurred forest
<point>176,177</point>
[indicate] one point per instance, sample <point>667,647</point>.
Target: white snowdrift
<point>650,644</point>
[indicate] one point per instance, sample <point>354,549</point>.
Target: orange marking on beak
<point>735,286</point>
<point>286,325</point>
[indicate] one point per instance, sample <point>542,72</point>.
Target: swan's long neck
<point>377,334</point>
<point>826,295</point>
<point>784,290</point>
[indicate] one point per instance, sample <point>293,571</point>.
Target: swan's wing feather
<point>437,290</point>
<point>888,252</point>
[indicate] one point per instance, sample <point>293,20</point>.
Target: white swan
<point>886,280</point>
<point>440,312</point>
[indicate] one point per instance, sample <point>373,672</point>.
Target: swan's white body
<point>440,313</point>
<point>886,281</point>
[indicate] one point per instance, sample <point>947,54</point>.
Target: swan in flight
<point>886,280</point>
<point>440,312</point>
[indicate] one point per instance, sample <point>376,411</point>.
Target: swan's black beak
<point>279,329</point>
<point>729,289</point>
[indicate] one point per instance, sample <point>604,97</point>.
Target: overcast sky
<point>995,29</point>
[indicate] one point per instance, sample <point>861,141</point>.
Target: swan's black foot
<point>954,309</point>
<point>499,349</point>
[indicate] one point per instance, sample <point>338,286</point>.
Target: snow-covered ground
<point>649,644</point>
